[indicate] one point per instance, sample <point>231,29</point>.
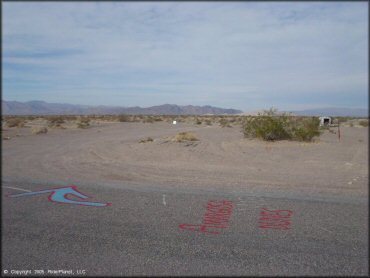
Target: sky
<point>242,55</point>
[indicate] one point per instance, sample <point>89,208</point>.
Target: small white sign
<point>174,122</point>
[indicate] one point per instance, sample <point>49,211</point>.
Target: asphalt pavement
<point>153,230</point>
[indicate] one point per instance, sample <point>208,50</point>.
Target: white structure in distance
<point>325,121</point>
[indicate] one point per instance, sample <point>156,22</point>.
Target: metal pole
<point>338,131</point>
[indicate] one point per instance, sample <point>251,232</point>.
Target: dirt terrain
<point>155,191</point>
<point>111,152</point>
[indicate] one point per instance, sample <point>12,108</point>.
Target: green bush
<point>271,127</point>
<point>305,129</point>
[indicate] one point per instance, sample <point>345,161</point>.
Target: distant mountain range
<point>37,107</point>
<point>43,108</point>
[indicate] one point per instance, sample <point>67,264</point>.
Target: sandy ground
<point>111,153</point>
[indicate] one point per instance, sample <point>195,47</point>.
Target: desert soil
<point>110,153</point>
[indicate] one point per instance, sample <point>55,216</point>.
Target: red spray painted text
<point>275,219</point>
<point>217,217</point>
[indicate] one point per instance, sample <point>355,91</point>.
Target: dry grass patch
<point>83,122</point>
<point>208,122</point>
<point>146,140</point>
<point>56,122</point>
<point>224,123</point>
<point>197,121</point>
<point>148,119</point>
<point>15,122</point>
<point>364,123</point>
<point>39,130</point>
<point>123,118</point>
<point>185,136</point>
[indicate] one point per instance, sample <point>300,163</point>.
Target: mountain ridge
<point>37,107</point>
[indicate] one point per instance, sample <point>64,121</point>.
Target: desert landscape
<point>155,179</point>
<point>136,140</point>
<point>148,150</point>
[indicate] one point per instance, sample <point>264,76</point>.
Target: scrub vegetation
<point>39,130</point>
<point>185,136</point>
<point>364,123</point>
<point>84,122</point>
<point>146,140</point>
<point>270,126</point>
<point>15,122</point>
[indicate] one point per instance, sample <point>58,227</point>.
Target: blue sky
<point>243,55</point>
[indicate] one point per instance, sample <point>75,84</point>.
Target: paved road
<point>139,233</point>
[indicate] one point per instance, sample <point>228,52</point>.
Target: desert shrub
<point>239,120</point>
<point>224,122</point>
<point>15,122</point>
<point>306,130</point>
<point>83,123</point>
<point>69,118</point>
<point>270,127</point>
<point>55,121</point>
<point>148,119</point>
<point>148,139</point>
<point>31,118</point>
<point>123,118</point>
<point>208,122</point>
<point>197,121</point>
<point>364,123</point>
<point>134,119</point>
<point>39,130</point>
<point>139,119</point>
<point>185,136</point>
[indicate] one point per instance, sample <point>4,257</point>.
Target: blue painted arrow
<point>59,195</point>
